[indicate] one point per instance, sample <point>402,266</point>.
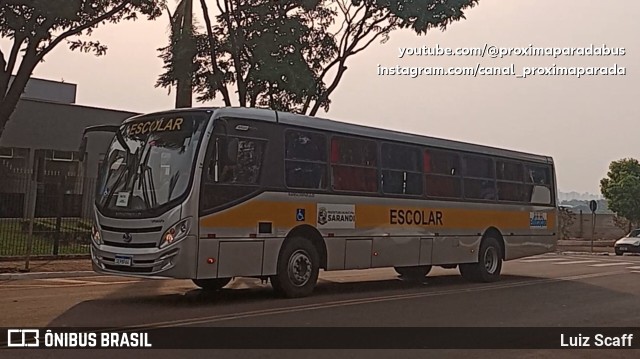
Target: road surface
<point>550,290</point>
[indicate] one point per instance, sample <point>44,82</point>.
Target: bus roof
<point>319,123</point>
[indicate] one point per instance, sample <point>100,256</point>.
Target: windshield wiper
<point>118,180</point>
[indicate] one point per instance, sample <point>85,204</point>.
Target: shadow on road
<point>147,302</point>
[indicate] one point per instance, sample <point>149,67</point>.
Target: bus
<point>209,194</point>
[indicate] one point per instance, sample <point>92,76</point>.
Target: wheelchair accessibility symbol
<point>300,214</point>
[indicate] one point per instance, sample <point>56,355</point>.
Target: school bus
<point>210,194</point>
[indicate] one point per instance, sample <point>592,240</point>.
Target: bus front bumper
<point>175,261</point>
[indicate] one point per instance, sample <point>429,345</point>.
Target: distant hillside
<point>568,196</point>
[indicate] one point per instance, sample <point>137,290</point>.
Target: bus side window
<point>441,174</point>
<point>510,177</point>
<point>479,178</point>
<point>305,159</point>
<point>401,169</point>
<point>244,169</point>
<point>354,164</point>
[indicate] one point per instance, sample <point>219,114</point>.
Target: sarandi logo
<point>322,216</point>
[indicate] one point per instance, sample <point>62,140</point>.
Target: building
<point>45,132</point>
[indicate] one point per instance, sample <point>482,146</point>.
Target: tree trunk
<point>235,53</point>
<point>12,97</point>
<point>212,50</point>
<point>184,87</point>
<point>324,96</point>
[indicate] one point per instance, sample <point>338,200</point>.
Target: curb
<point>44,275</point>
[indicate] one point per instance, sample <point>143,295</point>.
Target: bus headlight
<point>95,235</point>
<point>175,233</point>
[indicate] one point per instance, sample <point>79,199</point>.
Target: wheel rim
<point>299,268</point>
<point>491,260</point>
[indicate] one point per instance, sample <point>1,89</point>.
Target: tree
<point>270,51</point>
<point>291,55</point>
<point>622,223</point>
<point>180,55</point>
<point>365,21</point>
<point>621,188</point>
<point>35,27</point>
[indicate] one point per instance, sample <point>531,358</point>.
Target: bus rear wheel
<point>297,270</point>
<point>212,283</point>
<point>489,263</point>
<point>413,273</point>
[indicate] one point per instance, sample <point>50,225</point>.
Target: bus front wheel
<point>297,270</point>
<point>212,284</point>
<point>489,263</point>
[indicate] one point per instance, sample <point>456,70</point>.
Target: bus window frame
<point>493,179</point>
<point>457,176</point>
<point>327,163</point>
<point>376,142</point>
<point>420,171</point>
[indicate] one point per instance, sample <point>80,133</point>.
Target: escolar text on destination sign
<point>159,125</point>
<point>415,217</point>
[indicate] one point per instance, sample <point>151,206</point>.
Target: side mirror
<point>82,149</point>
<point>232,151</point>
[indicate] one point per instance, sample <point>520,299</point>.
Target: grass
<point>73,237</point>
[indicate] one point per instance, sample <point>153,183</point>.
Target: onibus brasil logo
<point>32,338</point>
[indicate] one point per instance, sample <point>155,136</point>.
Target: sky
<point>583,123</point>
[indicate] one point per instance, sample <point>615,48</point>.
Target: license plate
<point>123,260</point>
<point>623,248</point>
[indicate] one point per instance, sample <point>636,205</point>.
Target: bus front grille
<point>131,245</point>
<point>128,269</point>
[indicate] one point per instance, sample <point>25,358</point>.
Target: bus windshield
<point>149,162</point>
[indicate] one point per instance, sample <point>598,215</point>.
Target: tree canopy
<point>35,27</point>
<point>621,188</point>
<point>292,54</point>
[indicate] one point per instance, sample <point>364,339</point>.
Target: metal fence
<point>52,213</point>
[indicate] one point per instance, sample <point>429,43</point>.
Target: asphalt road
<point>551,290</point>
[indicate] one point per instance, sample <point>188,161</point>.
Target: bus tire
<point>297,269</point>
<point>414,272</point>
<point>212,283</point>
<point>489,263</point>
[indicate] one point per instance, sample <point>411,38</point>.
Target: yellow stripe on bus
<point>283,215</point>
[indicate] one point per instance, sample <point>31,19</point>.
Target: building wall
<point>605,227</point>
<point>52,132</point>
<point>47,90</point>
<point>39,124</point>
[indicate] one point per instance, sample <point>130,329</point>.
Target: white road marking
<point>68,281</point>
<point>610,264</point>
<point>634,268</point>
<point>541,260</point>
<point>576,262</point>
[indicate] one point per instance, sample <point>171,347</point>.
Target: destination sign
<point>157,125</point>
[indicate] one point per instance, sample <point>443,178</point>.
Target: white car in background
<point>629,243</point>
